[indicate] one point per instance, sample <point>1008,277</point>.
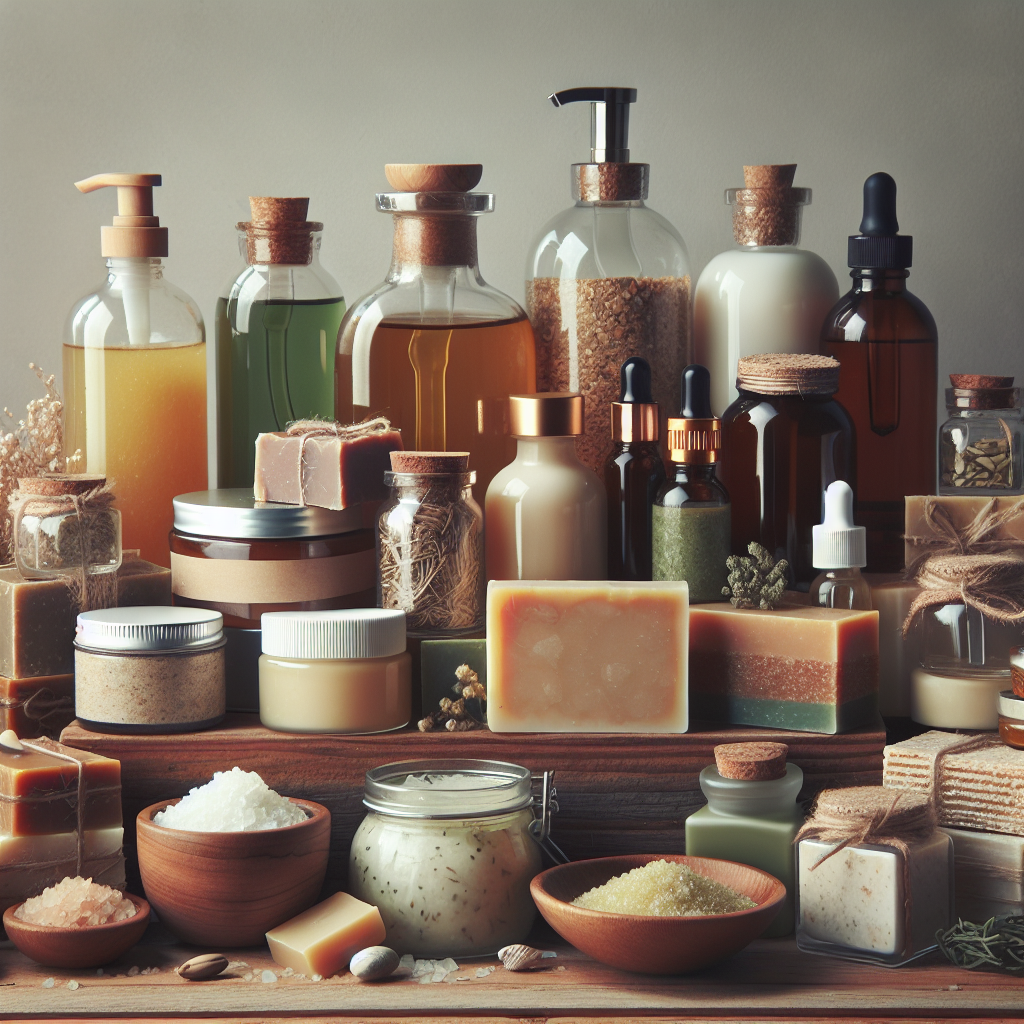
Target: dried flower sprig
<point>457,715</point>
<point>999,942</point>
<point>30,447</point>
<point>757,581</point>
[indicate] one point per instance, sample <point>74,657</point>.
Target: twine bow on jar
<point>978,537</point>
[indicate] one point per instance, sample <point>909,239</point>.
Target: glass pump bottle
<point>135,373</point>
<point>886,341</point>
<point>434,348</point>
<point>276,331</point>
<point>608,278</point>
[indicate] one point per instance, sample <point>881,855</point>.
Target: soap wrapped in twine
<point>978,537</point>
<point>43,707</point>
<point>872,816</point>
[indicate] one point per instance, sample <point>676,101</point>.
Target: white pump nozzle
<point>837,543</point>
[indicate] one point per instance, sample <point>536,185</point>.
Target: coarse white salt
<point>234,801</point>
<point>76,903</point>
<point>268,977</point>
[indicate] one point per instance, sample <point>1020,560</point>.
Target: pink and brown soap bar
<point>796,667</point>
<point>325,464</point>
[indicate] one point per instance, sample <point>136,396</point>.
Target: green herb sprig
<point>999,942</point>
<point>757,581</point>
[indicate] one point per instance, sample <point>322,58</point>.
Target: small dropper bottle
<point>691,521</point>
<point>633,473</point>
<point>840,548</point>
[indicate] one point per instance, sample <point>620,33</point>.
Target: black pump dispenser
<point>696,393</point>
<point>609,120</point>
<point>635,381</point>
<point>879,245</point>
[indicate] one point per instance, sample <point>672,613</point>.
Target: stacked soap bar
<point>976,781</point>
<point>586,657</point>
<point>898,656</point>
<point>325,469</point>
<point>989,874</point>
<point>796,667</point>
<point>47,792</point>
<point>961,511</point>
<point>41,706</point>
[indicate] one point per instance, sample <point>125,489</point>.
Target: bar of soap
<point>39,791</point>
<point>803,668</point>
<point>898,656</point>
<point>989,874</point>
<point>37,617</point>
<point>324,938</point>
<point>587,656</point>
<point>328,472</point>
<point>438,661</point>
<point>42,706</point>
<point>961,509</point>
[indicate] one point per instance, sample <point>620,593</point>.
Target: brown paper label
<point>274,581</point>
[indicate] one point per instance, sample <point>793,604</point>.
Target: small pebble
<point>49,983</point>
<point>374,963</point>
<point>268,977</point>
<point>72,984</point>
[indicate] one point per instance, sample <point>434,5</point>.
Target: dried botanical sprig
<point>456,715</point>
<point>757,581</point>
<point>999,942</point>
<point>30,447</point>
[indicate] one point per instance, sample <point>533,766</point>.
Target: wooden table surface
<point>770,980</point>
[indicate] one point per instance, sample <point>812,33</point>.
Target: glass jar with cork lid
<point>784,440</point>
<point>434,348</point>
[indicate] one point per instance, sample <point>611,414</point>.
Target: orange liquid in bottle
<point>445,386</point>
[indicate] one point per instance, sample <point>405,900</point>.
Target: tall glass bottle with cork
<point>608,278</point>
<point>767,294</point>
<point>434,347</point>
<point>135,373</point>
<point>886,341</point>
<point>276,331</point>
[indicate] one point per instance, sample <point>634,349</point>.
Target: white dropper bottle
<point>840,549</point>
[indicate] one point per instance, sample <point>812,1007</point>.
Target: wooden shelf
<point>769,980</point>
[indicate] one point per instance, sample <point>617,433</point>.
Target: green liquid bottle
<point>276,331</point>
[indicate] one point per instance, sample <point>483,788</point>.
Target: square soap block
<point>438,661</point>
<point>41,706</point>
<point>587,656</point>
<point>795,667</point>
<point>989,874</point>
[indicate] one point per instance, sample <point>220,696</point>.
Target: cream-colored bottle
<point>546,514</point>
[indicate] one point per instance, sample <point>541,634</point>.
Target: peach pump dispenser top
<point>135,373</point>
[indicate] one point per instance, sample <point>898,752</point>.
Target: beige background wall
<point>228,98</point>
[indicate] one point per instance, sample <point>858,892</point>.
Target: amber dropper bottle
<point>633,474</point>
<point>887,345</point>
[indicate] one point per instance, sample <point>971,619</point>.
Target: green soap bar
<point>785,714</point>
<point>438,661</point>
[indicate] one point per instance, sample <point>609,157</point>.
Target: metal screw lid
<point>149,629</point>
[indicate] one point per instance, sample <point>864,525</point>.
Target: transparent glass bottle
<point>434,347</point>
<point>839,549</point>
<point>608,279</point>
<point>276,332</point>
<point>135,374</point>
<point>981,444</point>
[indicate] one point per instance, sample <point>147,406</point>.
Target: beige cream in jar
<point>447,855</point>
<point>344,671</point>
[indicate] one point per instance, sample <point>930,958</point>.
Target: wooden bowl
<point>655,945</point>
<point>227,888</point>
<point>72,948</point>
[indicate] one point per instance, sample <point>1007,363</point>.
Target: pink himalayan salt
<point>76,903</point>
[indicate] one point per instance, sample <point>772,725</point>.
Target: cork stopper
<point>609,182</point>
<point>751,762</point>
<point>279,232</point>
<point>784,373</point>
<point>433,177</point>
<point>51,485</point>
<point>860,801</point>
<point>766,211</point>
<point>135,232</point>
<point>429,462</point>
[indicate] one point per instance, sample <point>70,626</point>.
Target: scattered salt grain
<point>49,983</point>
<point>133,972</point>
<point>233,801</point>
<point>287,972</point>
<point>233,965</point>
<point>268,977</point>
<point>247,976</point>
<point>72,984</point>
<point>76,903</point>
<point>483,972</point>
<point>317,977</point>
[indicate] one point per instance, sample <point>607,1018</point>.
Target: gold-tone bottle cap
<point>547,414</point>
<point>696,442</point>
<point>634,421</point>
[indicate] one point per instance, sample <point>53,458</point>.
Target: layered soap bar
<point>797,667</point>
<point>324,938</point>
<point>328,471</point>
<point>961,511</point>
<point>40,790</point>
<point>42,706</point>
<point>989,874</point>
<point>587,657</point>
<point>37,617</point>
<point>898,656</point>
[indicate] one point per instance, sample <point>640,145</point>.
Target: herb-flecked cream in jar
<point>446,854</point>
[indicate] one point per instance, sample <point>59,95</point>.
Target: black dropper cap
<point>609,120</point>
<point>879,245</point>
<point>696,393</point>
<point>635,381</point>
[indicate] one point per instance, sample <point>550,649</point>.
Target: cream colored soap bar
<point>587,657</point>
<point>323,939</point>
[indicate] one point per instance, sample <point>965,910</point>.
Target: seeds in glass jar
<point>983,463</point>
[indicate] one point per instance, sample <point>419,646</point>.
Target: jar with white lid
<point>149,669</point>
<point>447,853</point>
<point>341,671</point>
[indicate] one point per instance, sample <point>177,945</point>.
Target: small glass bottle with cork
<point>633,474</point>
<point>691,518</point>
<point>840,549</point>
<point>752,815</point>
